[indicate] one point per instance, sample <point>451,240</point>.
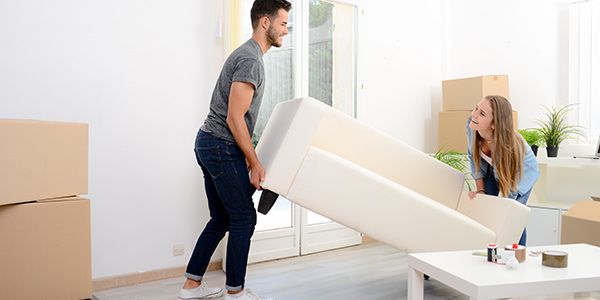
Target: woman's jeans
<point>229,194</point>
<point>491,188</point>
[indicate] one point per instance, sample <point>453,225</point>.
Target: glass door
<point>332,80</point>
<point>277,234</point>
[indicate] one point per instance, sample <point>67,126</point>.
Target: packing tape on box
<point>555,259</point>
<point>520,251</point>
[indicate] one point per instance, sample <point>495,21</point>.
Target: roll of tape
<point>492,252</point>
<point>520,251</point>
<point>555,259</point>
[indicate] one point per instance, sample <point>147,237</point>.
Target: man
<point>225,152</point>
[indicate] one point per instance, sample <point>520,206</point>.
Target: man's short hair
<point>269,8</point>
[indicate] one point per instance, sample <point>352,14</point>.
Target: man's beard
<point>273,37</point>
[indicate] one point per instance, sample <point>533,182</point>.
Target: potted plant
<point>532,137</point>
<point>556,129</point>
<point>456,160</point>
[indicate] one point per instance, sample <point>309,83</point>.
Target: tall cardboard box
<point>581,224</point>
<point>40,160</point>
<point>452,129</point>
<point>465,93</point>
<point>45,250</point>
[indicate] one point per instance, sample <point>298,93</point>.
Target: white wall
<point>141,74</point>
<point>400,57</point>
<point>528,40</point>
<point>408,47</point>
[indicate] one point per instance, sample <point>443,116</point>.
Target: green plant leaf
<point>555,128</point>
<point>531,136</point>
<point>456,160</point>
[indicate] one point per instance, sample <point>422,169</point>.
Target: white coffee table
<point>479,279</point>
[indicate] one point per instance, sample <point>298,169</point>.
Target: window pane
<point>331,56</point>
<point>278,71</point>
<point>320,51</point>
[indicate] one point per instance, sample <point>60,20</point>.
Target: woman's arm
<point>530,172</point>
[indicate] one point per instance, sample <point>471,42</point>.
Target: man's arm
<point>240,97</point>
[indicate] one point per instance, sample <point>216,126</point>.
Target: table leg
<point>415,284</point>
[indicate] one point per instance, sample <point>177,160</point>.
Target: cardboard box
<point>40,160</point>
<point>581,224</point>
<point>452,129</point>
<point>46,250</point>
<point>464,94</point>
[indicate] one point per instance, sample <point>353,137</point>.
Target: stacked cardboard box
<point>45,244</point>
<point>581,224</point>
<point>459,97</point>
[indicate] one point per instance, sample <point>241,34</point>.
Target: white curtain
<point>584,64</point>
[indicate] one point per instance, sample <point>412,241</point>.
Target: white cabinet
<point>562,183</point>
<point>543,226</point>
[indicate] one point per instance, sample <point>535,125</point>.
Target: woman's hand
<point>472,195</point>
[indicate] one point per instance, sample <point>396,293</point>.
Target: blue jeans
<point>491,188</point>
<point>229,193</point>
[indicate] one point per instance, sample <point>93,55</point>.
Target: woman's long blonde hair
<point>509,147</point>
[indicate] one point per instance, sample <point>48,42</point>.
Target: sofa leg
<point>267,200</point>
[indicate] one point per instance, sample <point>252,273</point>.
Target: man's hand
<point>257,175</point>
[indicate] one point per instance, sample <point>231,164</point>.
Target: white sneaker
<point>247,294</point>
<point>201,292</point>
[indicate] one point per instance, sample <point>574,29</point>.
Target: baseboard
<point>106,283</point>
<point>147,276</point>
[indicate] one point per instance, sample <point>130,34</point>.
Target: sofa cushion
<point>389,157</point>
<point>383,209</point>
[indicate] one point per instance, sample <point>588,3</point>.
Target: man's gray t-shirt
<point>245,64</point>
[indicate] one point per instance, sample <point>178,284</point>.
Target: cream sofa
<point>341,168</point>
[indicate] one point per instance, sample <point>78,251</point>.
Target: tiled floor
<point>371,271</point>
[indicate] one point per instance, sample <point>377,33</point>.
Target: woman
<point>500,159</point>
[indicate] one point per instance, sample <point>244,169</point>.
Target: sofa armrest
<point>286,140</point>
<point>504,216</point>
